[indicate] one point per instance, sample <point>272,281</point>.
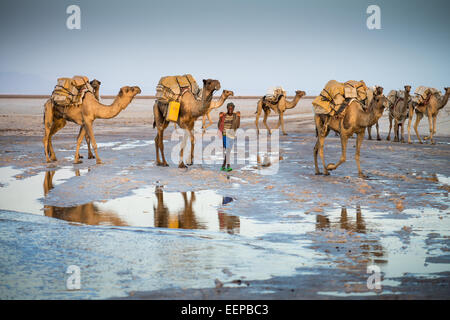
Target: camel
<point>215,105</point>
<point>354,120</point>
<point>433,104</point>
<point>190,110</point>
<point>95,84</point>
<point>280,107</point>
<point>398,112</point>
<point>55,118</point>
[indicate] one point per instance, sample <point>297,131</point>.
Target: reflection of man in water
<point>230,224</point>
<point>228,124</point>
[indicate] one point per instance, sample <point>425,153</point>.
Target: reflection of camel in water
<point>369,247</point>
<point>86,213</point>
<point>322,222</point>
<point>184,219</point>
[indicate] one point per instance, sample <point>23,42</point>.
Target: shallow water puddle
<point>23,194</point>
<point>398,244</point>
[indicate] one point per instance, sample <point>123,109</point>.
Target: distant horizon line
<point>46,96</point>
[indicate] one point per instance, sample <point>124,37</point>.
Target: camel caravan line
<point>346,108</point>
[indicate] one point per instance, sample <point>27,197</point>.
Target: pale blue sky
<point>249,45</point>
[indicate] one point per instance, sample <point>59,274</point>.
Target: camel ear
<point>120,92</point>
<point>204,81</point>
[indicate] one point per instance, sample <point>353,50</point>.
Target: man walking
<point>228,123</point>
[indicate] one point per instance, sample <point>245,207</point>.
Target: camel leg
<point>430,126</point>
<point>209,120</point>
<point>433,130</point>
<point>359,140</point>
<point>160,142</point>
<point>419,117</point>
<point>191,160</point>
<point>80,137</point>
<point>402,140</point>
<point>378,131</point>
<point>388,138</point>
<point>410,117</point>
<point>344,139</point>
<point>321,140</point>
<point>396,130</point>
<point>90,131</point>
<point>316,150</point>
<point>48,122</point>
<point>258,113</point>
<point>266,114</point>
<point>317,146</point>
<point>183,145</point>
<point>57,125</point>
<point>158,161</point>
<point>281,120</point>
<point>88,142</point>
<point>369,132</point>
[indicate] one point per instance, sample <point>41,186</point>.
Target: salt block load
<point>421,94</point>
<point>71,91</point>
<point>336,95</point>
<point>171,88</point>
<point>169,91</point>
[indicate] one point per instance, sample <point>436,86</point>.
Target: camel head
<point>300,93</point>
<point>95,84</point>
<point>211,85</point>
<point>228,93</point>
<point>447,90</point>
<point>129,92</point>
<point>407,88</point>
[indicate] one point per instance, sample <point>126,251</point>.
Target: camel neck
<point>444,100</point>
<point>107,112</point>
<point>293,103</point>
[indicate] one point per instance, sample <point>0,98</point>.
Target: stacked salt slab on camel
<point>336,95</point>
<point>171,88</point>
<point>70,91</point>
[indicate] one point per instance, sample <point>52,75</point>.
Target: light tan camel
<point>215,105</point>
<point>95,84</point>
<point>354,120</point>
<point>190,110</point>
<point>433,104</point>
<point>56,117</point>
<point>279,107</point>
<point>399,112</point>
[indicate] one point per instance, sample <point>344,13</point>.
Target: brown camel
<point>55,118</point>
<point>280,107</point>
<point>215,105</point>
<point>399,112</point>
<point>354,120</point>
<point>190,110</point>
<point>433,104</point>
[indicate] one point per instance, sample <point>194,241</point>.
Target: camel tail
<point>154,124</point>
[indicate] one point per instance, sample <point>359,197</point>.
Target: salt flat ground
<point>277,231</point>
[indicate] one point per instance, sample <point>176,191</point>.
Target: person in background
<point>228,123</point>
